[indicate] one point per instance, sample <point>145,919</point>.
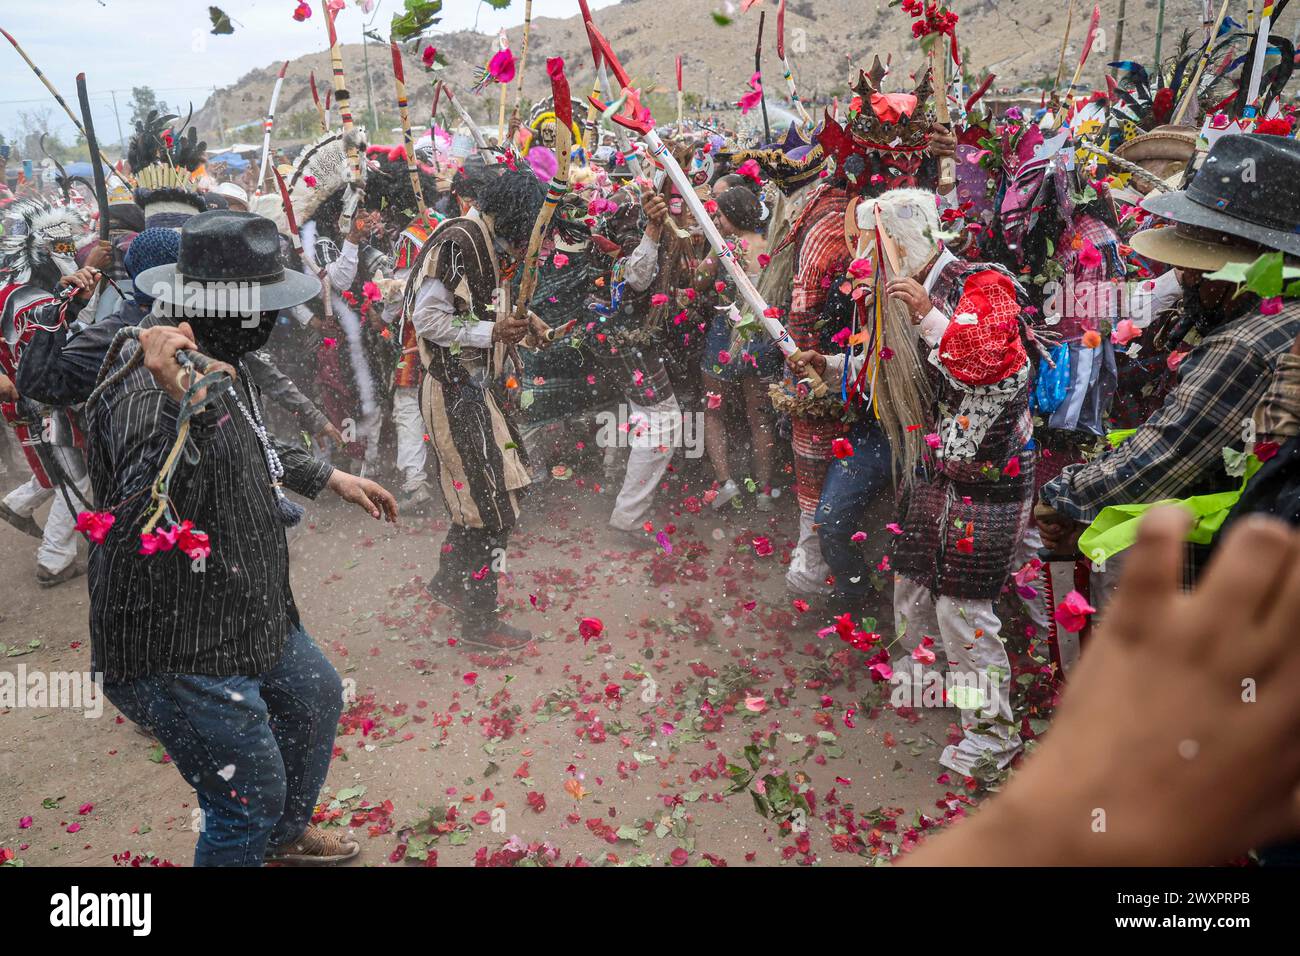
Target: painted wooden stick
<point>680,96</point>
<point>590,125</point>
<point>404,114</point>
<point>268,125</point>
<point>474,131</point>
<point>787,71</point>
<point>523,61</point>
<point>1087,48</point>
<point>1189,97</point>
<point>1261,53</point>
<point>559,184</point>
<point>320,107</point>
<point>1060,62</point>
<point>504,44</point>
<point>658,150</point>
<point>758,68</point>
<point>343,100</point>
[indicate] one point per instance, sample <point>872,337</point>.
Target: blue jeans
<point>255,749</point>
<point>850,485</point>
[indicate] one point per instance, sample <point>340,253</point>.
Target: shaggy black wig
<point>513,199</point>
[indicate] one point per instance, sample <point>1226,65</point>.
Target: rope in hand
<point>194,368</point>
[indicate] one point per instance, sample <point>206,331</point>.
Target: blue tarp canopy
<point>231,159</point>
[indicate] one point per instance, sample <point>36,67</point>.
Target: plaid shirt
<point>1277,417</point>
<point>1178,451</point>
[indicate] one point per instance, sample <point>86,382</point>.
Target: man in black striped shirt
<point>206,648</point>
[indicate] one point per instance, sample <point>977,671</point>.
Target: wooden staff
<point>1060,62</point>
<point>1190,96</point>
<point>590,125</point>
<point>523,60</point>
<point>468,120</point>
<point>504,44</point>
<point>295,239</point>
<point>758,68</point>
<point>101,189</point>
<point>403,111</point>
<point>559,185</point>
<point>433,124</point>
<point>939,65</point>
<point>268,125</point>
<point>343,101</point>
<point>1087,48</point>
<point>320,108</point>
<point>680,96</point>
<point>59,99</point>
<point>1261,53</point>
<point>787,72</point>
<point>726,255</point>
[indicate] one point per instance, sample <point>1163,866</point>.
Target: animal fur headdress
<point>39,234</point>
<point>319,174</point>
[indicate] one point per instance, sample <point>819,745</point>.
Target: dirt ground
<point>613,749</point>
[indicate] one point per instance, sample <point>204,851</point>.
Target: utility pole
<point>1160,32</point>
<point>1119,37</point>
<point>370,98</point>
<point>117,116</point>
<point>365,55</point>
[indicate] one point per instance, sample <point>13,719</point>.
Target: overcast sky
<point>166,44</point>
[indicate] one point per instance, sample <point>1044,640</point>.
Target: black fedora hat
<point>229,264</point>
<point>1248,188</point>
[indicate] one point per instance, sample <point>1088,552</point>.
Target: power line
<point>102,93</point>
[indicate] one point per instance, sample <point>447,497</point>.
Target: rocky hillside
<point>1020,42</point>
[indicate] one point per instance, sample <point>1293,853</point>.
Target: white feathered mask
<point>40,233</point>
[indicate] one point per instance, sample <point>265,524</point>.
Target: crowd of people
<point>1015,331</point>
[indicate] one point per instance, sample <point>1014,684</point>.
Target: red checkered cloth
<point>813,440</point>
<point>982,344</point>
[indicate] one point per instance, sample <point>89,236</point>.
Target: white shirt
<point>434,316</point>
<point>342,271</point>
<point>642,265</point>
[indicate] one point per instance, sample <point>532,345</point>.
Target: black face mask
<point>228,338</point>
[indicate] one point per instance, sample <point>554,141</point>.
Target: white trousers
<point>411,453</point>
<point>969,638</point>
<point>1037,606</point>
<point>58,547</point>
<point>653,434</point>
<point>808,570</point>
